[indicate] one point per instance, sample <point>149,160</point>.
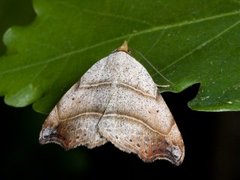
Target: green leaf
<point>14,12</point>
<point>186,41</point>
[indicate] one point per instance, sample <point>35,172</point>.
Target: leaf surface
<point>186,42</point>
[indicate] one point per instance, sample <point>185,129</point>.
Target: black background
<point>211,142</point>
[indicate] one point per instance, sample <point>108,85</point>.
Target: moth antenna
<point>145,59</point>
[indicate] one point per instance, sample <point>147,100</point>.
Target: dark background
<point>212,140</point>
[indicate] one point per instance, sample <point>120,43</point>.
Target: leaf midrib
<point>145,31</point>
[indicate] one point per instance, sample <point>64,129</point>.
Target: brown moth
<point>116,100</point>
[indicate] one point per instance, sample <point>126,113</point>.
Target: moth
<point>116,101</point>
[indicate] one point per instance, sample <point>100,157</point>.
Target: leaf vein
<point>145,31</point>
<point>117,16</point>
<point>200,46</point>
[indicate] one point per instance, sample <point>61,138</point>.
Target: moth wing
<point>137,118</point>
<point>73,121</point>
<point>132,134</point>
